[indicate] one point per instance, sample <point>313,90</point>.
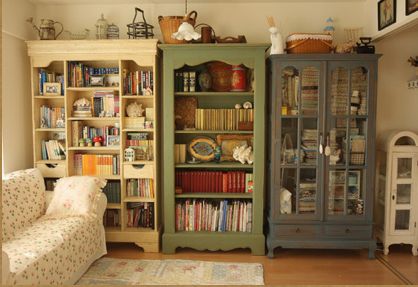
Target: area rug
<point>112,271</point>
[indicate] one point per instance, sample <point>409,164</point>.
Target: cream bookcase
<point>55,57</point>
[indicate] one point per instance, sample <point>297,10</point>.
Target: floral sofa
<point>43,250</point>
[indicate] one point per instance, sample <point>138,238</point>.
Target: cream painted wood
<point>389,199</point>
<point>124,54</point>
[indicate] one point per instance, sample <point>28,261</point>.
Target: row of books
<point>203,215</point>
<point>49,77</point>
<point>140,214</point>
<point>179,153</point>
<point>213,181</point>
<point>49,117</point>
<point>185,81</point>
<point>138,82</point>
<point>222,119</point>
<point>105,104</point>
<point>80,131</point>
<point>52,149</point>
<point>96,164</point>
<point>111,218</point>
<point>79,74</point>
<point>112,191</point>
<point>141,187</point>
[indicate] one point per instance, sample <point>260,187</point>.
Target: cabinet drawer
<point>349,231</point>
<point>296,230</point>
<point>52,169</point>
<point>138,171</point>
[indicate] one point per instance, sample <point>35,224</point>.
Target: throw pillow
<point>75,195</point>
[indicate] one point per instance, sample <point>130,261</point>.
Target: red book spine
<point>224,182</point>
<point>229,181</point>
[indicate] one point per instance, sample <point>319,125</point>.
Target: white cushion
<point>23,199</point>
<point>75,195</point>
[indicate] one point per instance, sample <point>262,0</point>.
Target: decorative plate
<point>202,148</point>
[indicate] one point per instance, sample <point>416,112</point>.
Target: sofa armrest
<point>5,268</point>
<point>48,197</point>
<point>101,205</point>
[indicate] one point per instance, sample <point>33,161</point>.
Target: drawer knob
<point>347,230</point>
<point>298,230</point>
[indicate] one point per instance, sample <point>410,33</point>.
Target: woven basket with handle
<point>170,25</point>
<point>309,45</point>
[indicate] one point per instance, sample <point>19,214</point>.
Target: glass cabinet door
<point>345,143</point>
<point>300,107</point>
<point>402,196</point>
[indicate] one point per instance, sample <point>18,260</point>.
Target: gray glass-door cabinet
<point>321,151</point>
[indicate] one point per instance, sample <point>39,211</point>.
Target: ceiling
<point>88,2</point>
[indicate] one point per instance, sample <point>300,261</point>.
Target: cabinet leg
<point>415,250</point>
<point>270,253</point>
<point>386,249</point>
<point>372,251</point>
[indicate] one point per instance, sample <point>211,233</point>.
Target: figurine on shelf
<point>44,124</point>
<point>275,37</point>
<point>243,154</point>
<point>134,110</point>
<point>218,153</point>
<point>89,142</point>
<point>329,28</point>
<point>98,140</point>
<point>285,201</point>
<point>82,108</point>
<point>81,143</point>
<point>60,122</point>
<point>129,154</point>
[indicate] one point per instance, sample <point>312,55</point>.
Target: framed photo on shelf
<point>113,140</point>
<point>411,6</point>
<point>52,89</point>
<point>386,16</point>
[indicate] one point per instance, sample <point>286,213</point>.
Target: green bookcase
<point>252,56</point>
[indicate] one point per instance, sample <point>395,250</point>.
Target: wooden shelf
<point>94,119</point>
<point>211,132</point>
<point>214,94</point>
<point>138,199</point>
<point>139,229</point>
<point>138,162</point>
<point>112,229</point>
<point>228,165</point>
<point>113,206</point>
<point>110,177</point>
<point>137,97</point>
<point>96,148</point>
<point>81,89</point>
<point>138,130</point>
<point>50,97</point>
<point>50,129</point>
<point>219,195</point>
<point>51,161</point>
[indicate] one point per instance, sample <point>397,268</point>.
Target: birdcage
<point>140,29</point>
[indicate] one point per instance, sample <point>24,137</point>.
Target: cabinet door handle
<point>347,230</point>
<point>321,147</point>
<point>298,230</point>
<point>393,197</point>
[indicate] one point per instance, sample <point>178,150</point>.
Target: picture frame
<point>386,13</point>
<point>97,81</point>
<point>52,89</point>
<point>113,140</point>
<point>411,6</point>
<point>202,148</point>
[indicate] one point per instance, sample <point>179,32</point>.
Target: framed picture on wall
<point>386,10</point>
<point>411,6</point>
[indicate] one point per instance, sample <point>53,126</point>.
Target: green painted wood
<point>323,230</point>
<point>211,132</point>
<point>215,195</point>
<point>176,56</point>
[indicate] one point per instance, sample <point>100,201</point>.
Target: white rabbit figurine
<point>275,37</point>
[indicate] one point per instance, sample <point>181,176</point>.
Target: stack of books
<point>140,214</point>
<point>203,215</point>
<point>307,196</point>
<point>310,91</point>
<point>142,146</point>
<point>309,145</point>
<point>142,187</point>
<point>96,164</point>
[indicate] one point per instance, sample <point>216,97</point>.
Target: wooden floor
<point>290,266</point>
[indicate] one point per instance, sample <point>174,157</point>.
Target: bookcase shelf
<point>185,61</point>
<point>221,165</point>
<point>211,132</point>
<point>215,94</point>
<point>64,58</point>
<point>220,195</point>
<point>138,199</point>
<point>138,162</point>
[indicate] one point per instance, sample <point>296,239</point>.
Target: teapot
<point>46,30</point>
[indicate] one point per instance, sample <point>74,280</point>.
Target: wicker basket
<point>307,43</point>
<point>357,158</point>
<point>170,25</point>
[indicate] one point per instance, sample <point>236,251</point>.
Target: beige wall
<point>397,106</point>
<point>228,19</point>
<point>16,100</point>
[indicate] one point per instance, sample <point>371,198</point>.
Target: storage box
<point>52,170</point>
<point>138,171</point>
<point>135,123</point>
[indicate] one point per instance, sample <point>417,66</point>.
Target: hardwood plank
<point>288,267</point>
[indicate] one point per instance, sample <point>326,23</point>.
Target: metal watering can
<point>46,30</point>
